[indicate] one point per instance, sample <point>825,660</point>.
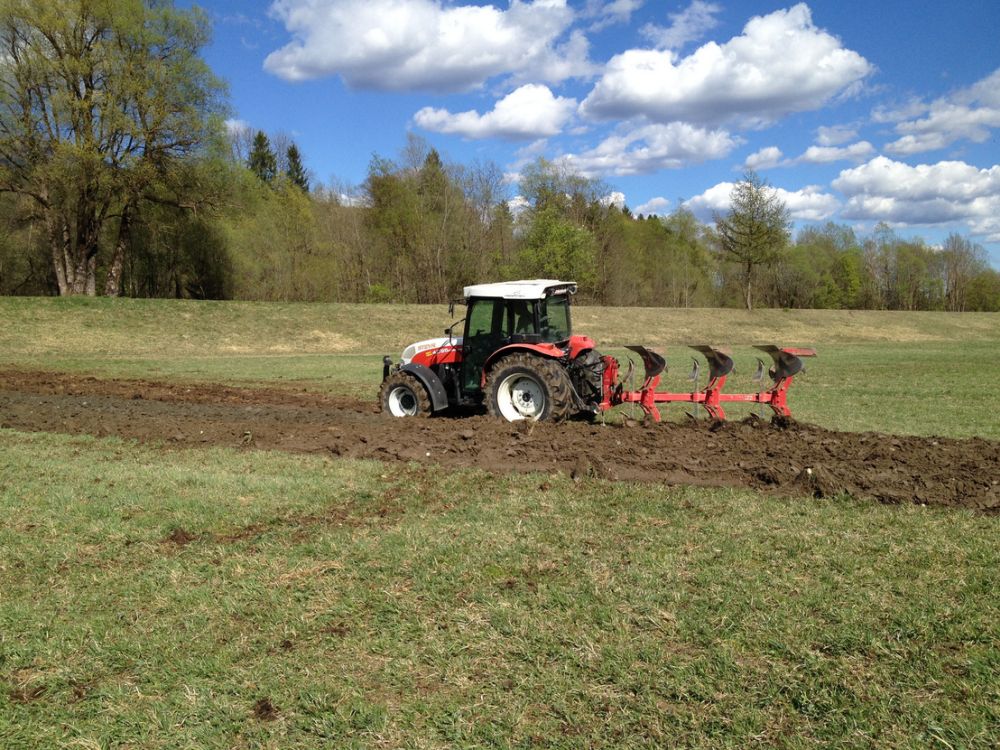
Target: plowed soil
<point>792,458</point>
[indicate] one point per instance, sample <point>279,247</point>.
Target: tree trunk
<point>91,288</point>
<point>81,266</point>
<point>75,264</point>
<point>749,284</point>
<point>59,261</point>
<point>112,285</point>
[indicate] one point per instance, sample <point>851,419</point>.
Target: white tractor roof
<point>524,289</point>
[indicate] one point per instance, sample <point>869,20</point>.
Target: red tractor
<point>519,357</point>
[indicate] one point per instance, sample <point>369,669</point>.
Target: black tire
<point>525,386</point>
<point>403,395</point>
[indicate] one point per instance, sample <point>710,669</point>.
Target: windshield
<point>555,318</point>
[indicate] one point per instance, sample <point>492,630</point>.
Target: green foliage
<point>102,101</point>
<point>556,185</point>
<point>984,291</point>
<point>427,236</point>
<point>177,254</point>
<point>25,265</point>
<point>421,228</point>
<point>277,250</point>
<point>555,248</point>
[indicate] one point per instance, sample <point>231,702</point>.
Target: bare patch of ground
<point>790,458</point>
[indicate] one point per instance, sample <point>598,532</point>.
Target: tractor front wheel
<point>402,395</point>
<point>524,386</point>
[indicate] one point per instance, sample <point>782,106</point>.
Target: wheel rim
<point>520,397</point>
<point>402,402</point>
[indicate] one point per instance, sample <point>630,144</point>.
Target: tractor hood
<point>422,346</point>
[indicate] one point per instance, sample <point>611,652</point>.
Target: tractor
<point>518,356</point>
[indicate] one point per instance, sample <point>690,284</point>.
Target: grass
<point>920,373</point>
<point>165,598</point>
<point>215,598</point>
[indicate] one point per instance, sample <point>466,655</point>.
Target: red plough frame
<point>787,364</point>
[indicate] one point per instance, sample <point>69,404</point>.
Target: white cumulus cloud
<point>835,135</point>
<point>531,111</point>
<point>967,114</point>
<point>658,206</point>
<point>781,63</point>
<point>518,205</point>
<point>809,203</point>
<point>772,156</point>
<point>430,45</point>
<point>826,154</point>
<point>806,204</point>
<point>615,198</point>
<point>765,158</point>
<point>234,126</point>
<point>649,148</point>
<point>941,193</point>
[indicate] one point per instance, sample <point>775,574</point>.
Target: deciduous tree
<point>963,260</point>
<point>99,101</point>
<point>755,230</point>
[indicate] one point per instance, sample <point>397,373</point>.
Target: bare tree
<point>280,143</point>
<point>962,261</point>
<point>241,138</point>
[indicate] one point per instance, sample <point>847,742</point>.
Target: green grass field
<point>167,598</point>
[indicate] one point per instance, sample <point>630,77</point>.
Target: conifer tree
<point>755,230</point>
<point>296,172</point>
<point>262,161</point>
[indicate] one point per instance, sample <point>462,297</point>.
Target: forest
<point>119,176</point>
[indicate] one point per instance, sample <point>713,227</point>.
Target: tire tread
<point>553,376</point>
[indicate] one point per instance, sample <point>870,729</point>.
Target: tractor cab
<point>516,355</point>
<point>511,313</point>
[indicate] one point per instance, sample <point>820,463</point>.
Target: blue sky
<point>857,111</point>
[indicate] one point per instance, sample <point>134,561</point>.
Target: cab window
<point>486,330</point>
<point>486,318</point>
<point>554,318</point>
<point>522,313</point>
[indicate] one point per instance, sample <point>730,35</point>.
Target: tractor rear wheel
<point>524,386</point>
<point>402,395</point>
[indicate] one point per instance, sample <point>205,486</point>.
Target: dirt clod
<point>180,537</point>
<point>264,710</point>
<point>26,694</point>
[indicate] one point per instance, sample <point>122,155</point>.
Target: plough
<point>787,364</point>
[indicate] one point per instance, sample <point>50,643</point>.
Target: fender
<point>579,344</point>
<point>546,350</point>
<point>433,384</point>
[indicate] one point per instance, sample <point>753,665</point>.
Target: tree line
<point>119,177</point>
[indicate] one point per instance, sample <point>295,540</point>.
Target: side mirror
<point>449,331</point>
